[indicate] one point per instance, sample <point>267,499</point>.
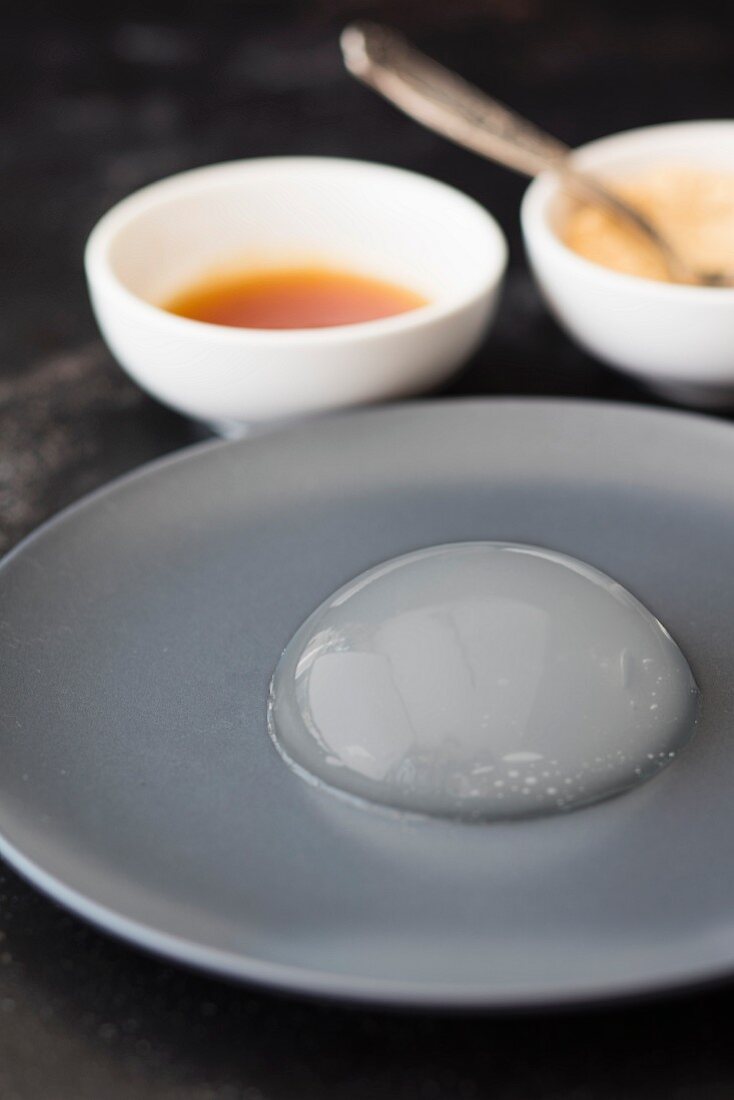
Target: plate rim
<point>346,988</point>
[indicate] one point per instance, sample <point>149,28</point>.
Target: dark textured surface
<point>96,104</point>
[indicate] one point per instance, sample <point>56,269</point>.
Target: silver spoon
<point>446,103</point>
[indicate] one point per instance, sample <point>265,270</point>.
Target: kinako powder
<point>693,207</point>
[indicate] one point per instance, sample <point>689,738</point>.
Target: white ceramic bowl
<point>678,339</point>
<point>370,218</point>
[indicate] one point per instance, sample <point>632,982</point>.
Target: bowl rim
<point>100,274</point>
<point>537,229</point>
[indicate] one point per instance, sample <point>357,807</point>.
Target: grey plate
<point>138,786</point>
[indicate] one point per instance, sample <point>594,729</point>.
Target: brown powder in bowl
<point>693,207</point>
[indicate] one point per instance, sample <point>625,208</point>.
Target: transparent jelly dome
<point>481,679</point>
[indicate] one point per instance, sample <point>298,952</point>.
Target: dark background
<point>97,102</point>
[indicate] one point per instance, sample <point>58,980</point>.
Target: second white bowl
<point>679,339</point>
<point>370,218</point>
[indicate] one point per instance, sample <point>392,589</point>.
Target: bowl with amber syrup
<point>261,290</point>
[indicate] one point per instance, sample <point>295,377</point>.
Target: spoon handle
<point>444,102</point>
